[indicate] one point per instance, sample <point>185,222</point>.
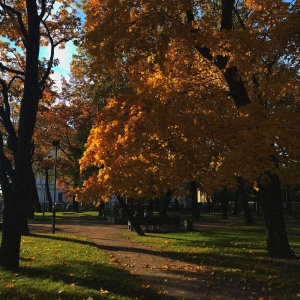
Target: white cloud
<point>65,58</point>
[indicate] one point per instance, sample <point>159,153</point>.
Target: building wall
<point>40,185</point>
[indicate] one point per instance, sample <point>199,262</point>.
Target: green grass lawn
<point>72,267</point>
<point>89,214</point>
<point>67,267</point>
<point>235,252</point>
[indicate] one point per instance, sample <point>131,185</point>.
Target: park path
<point>171,279</point>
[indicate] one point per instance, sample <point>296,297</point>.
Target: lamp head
<point>56,143</point>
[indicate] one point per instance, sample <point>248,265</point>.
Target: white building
<point>41,189</point>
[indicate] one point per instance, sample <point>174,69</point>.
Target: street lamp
<point>56,145</point>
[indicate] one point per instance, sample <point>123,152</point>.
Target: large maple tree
<point>215,98</point>
<point>25,27</point>
<point>69,120</point>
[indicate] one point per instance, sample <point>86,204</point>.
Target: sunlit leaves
<point>182,122</point>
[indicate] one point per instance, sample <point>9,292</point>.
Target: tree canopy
<point>215,94</point>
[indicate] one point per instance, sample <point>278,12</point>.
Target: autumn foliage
<point>206,105</point>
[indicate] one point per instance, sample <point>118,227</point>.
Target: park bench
<point>156,222</point>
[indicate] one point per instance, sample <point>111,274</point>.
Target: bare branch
<point>5,94</point>
<point>7,69</point>
<point>13,79</point>
<point>43,12</point>
<point>50,63</point>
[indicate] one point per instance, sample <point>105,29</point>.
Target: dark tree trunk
<point>15,220</point>
<point>164,203</point>
<point>135,225</point>
<point>11,236</point>
<point>195,207</point>
<point>276,235</point>
<point>277,242</point>
<point>225,203</point>
<point>235,208</point>
<point>47,188</point>
<point>258,204</point>
<point>244,201</point>
<point>289,206</point>
<point>75,204</point>
<point>32,198</point>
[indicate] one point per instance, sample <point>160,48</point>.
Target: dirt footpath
<point>171,279</point>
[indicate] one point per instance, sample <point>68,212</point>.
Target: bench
<point>157,221</point>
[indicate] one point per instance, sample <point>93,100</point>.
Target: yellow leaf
<point>103,292</point>
<point>10,286</point>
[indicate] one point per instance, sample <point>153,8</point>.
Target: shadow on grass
<point>62,238</point>
<point>233,253</point>
<point>71,285</point>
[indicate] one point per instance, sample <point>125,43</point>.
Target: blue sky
<point>65,58</point>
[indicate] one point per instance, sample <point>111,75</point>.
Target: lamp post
<point>56,145</point>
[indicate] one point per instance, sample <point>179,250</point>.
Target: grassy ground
<point>71,267</point>
<point>67,267</point>
<point>236,252</point>
<point>91,215</point>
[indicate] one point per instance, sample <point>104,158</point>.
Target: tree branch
<point>236,86</point>
<point>5,117</point>
<point>18,16</point>
<point>50,63</point>
<point>239,18</point>
<point>7,69</point>
<point>5,164</point>
<point>43,11</point>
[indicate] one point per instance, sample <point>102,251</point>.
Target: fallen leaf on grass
<point>104,292</point>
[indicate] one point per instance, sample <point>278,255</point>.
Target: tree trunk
<point>11,236</point>
<point>10,248</point>
<point>244,201</point>
<point>276,235</point>
<point>75,204</point>
<point>195,207</point>
<point>33,197</point>
<point>47,188</point>
<point>15,220</point>
<point>289,206</point>
<point>164,203</point>
<point>225,203</point>
<point>135,225</point>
